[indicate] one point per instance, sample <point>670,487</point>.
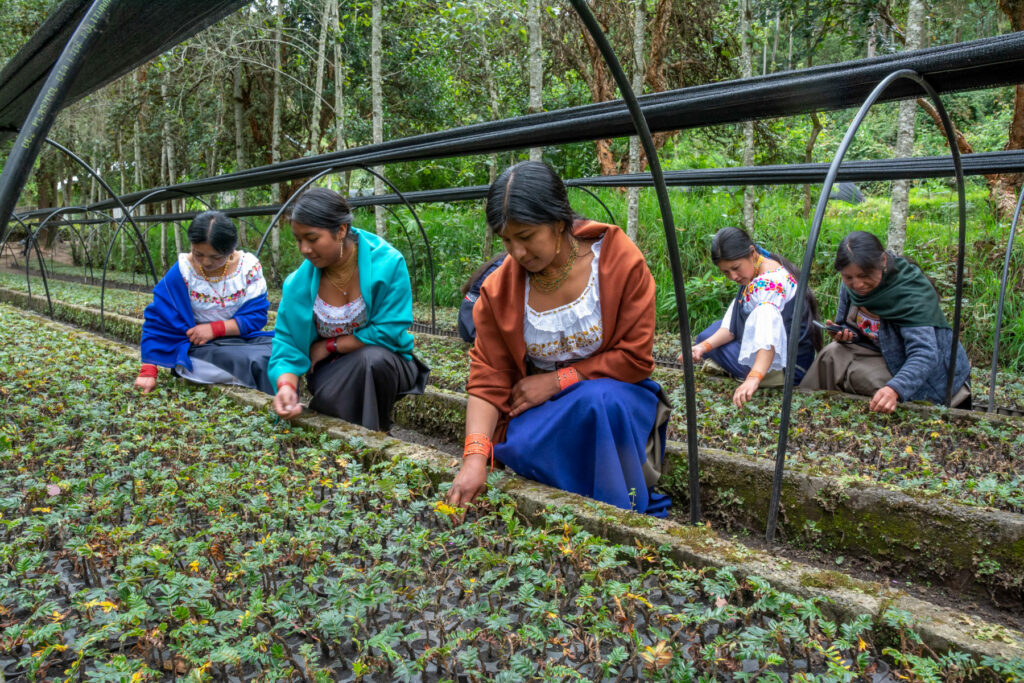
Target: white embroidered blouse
<point>569,332</point>
<point>220,300</point>
<point>338,321</point>
<point>763,300</point>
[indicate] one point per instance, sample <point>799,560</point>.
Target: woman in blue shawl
<point>208,313</point>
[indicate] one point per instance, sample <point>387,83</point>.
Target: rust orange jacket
<point>626,287</point>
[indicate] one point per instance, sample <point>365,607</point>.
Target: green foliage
<point>180,534</point>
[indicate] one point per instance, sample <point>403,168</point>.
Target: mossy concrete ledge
<point>969,548</point>
<point>700,546</point>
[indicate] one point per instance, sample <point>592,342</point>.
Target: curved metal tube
<point>141,242</point>
<point>47,104</point>
<point>408,237</point>
<point>644,132</point>
<point>805,271</point>
<point>288,202</point>
<point>426,242</point>
<point>611,216</point>
<point>31,240</point>
<point>91,171</point>
<point>1002,298</point>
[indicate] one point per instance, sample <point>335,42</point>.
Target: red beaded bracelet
<point>218,328</point>
<point>283,382</point>
<point>147,370</point>
<point>567,377</point>
<point>332,345</point>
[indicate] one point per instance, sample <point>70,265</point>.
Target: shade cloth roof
<point>133,32</point>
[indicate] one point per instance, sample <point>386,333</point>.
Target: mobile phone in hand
<point>830,328</point>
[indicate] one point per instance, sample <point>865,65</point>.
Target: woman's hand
<point>884,400</point>
<point>286,402</point>
<point>317,352</point>
<point>145,384</point>
<point>844,335</point>
<point>200,334</point>
<point>532,391</point>
<point>745,391</point>
<point>697,352</point>
<point>469,482</point>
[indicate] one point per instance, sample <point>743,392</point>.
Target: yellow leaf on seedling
<point>935,435</point>
<point>40,509</point>
<point>909,450</point>
<point>194,566</point>
<point>861,645</point>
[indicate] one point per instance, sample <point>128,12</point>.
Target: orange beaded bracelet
<point>479,444</point>
<point>567,377</point>
<point>755,374</point>
<point>706,346</point>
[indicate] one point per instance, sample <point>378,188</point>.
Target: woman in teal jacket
<point>344,319</point>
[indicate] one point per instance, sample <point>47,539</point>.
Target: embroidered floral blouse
<point>338,321</point>
<point>763,300</point>
<point>868,325</point>
<point>569,332</point>
<point>221,299</point>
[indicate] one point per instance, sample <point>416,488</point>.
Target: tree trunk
<point>536,67</point>
<point>1003,188</point>
<point>633,202</point>
<point>275,141</point>
<point>172,171</point>
<point>378,107</point>
<point>495,104</point>
<point>746,66</point>
<point>808,153</point>
<point>905,137</point>
<point>239,110</point>
<point>775,40</point>
<point>339,89</point>
<point>122,188</point>
<point>314,130</point>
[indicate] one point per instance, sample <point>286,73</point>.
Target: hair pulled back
<point>530,193</point>
<point>319,207</point>
<point>731,244</point>
<point>216,229</point>
<point>861,249</point>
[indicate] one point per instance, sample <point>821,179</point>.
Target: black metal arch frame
<point>408,204</point>
<point>71,224</point>
<point>644,132</point>
<point>1002,299</point>
<point>611,216</point>
<point>30,242</point>
<point>408,238</point>
<point>812,243</point>
<point>141,245</point>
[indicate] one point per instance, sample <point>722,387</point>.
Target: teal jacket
<point>384,281</point>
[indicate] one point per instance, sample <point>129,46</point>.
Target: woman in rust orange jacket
<point>559,381</point>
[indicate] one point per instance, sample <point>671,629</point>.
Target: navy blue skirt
<point>590,439</point>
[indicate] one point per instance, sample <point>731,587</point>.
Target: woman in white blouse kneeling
<point>208,313</point>
<point>750,342</point>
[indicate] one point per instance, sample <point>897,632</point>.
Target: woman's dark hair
<point>529,193</point>
<point>319,207</point>
<point>865,251</point>
<point>861,249</point>
<point>216,229</point>
<point>479,272</point>
<point>731,244</point>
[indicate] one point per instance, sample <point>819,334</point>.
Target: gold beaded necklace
<point>340,274</point>
<point>211,278</point>
<point>548,283</point>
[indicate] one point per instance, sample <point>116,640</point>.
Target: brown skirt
<point>851,368</point>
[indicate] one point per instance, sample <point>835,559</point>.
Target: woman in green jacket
<point>344,319</point>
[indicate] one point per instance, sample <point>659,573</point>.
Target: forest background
<point>282,80</point>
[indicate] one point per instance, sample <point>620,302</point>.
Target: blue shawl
<point>170,316</point>
<point>385,287</point>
